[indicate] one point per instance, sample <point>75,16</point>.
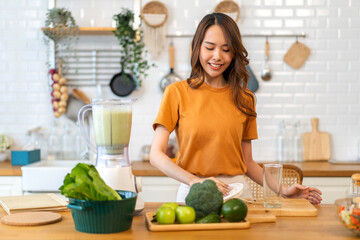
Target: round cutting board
<point>31,218</point>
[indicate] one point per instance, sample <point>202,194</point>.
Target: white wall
<point>327,86</point>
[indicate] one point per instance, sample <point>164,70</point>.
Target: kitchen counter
<point>309,169</point>
<point>141,168</point>
<point>6,169</point>
<point>325,226</point>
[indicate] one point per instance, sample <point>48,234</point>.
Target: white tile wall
<point>327,86</point>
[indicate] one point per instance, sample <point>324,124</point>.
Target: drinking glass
<point>272,183</point>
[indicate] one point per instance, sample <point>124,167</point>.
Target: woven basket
<point>154,13</point>
<point>228,7</point>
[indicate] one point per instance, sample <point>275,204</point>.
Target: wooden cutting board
<point>250,219</point>
<point>297,55</point>
<point>289,208</point>
<point>31,218</point>
<point>316,144</point>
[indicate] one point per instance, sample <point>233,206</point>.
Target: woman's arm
<point>254,171</point>
<point>160,160</point>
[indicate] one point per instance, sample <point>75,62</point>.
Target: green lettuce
<point>84,182</point>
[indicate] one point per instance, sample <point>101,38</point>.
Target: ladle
<point>266,73</point>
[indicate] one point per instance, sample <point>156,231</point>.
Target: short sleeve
<point>250,127</point>
<point>168,114</point>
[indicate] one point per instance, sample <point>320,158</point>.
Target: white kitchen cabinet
<point>10,185</point>
<point>159,189</point>
<point>332,188</point>
<point>164,189</point>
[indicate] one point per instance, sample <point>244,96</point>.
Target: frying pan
<point>253,84</point>
<point>171,77</point>
<point>122,84</point>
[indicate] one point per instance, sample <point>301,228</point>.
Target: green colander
<point>103,216</point>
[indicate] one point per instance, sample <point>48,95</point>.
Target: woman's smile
<point>215,66</point>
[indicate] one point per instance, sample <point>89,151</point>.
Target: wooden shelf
<point>95,31</point>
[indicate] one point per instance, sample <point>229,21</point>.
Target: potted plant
<point>5,144</point>
<point>60,27</point>
<point>133,60</point>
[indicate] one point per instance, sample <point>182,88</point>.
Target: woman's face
<point>215,55</point>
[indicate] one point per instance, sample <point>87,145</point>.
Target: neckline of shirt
<point>214,89</point>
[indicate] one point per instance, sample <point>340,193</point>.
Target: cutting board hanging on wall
<point>297,55</point>
<point>316,144</point>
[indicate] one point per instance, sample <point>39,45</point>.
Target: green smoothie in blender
<point>112,127</point>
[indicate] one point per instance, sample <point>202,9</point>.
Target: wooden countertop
<point>141,168</point>
<point>6,169</point>
<point>310,169</point>
<point>325,226</point>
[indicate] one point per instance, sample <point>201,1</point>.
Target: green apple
<point>185,214</point>
<point>173,205</point>
<point>165,215</point>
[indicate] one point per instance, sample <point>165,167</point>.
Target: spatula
<point>316,144</point>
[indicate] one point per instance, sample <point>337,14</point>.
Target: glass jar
<point>354,190</point>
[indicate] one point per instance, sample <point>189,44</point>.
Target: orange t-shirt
<point>209,128</point>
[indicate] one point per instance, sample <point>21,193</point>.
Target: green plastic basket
<point>103,216</point>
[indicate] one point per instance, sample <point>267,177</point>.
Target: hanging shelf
<point>94,31</point>
<point>108,31</point>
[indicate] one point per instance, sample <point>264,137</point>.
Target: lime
<point>234,210</point>
<point>165,215</point>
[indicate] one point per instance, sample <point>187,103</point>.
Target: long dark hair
<point>236,74</point>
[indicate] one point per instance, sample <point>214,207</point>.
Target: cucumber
<point>211,218</point>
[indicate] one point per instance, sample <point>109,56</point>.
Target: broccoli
<point>205,198</point>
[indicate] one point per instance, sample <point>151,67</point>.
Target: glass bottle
<point>281,144</point>
<point>296,143</point>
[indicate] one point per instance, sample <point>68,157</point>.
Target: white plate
<point>236,190</point>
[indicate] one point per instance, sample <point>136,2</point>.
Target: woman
<point>213,115</point>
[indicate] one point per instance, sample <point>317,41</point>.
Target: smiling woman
<point>213,115</point>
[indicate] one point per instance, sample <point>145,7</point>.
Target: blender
<point>112,126</point>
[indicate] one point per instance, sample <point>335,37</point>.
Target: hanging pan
<point>171,77</point>
<point>122,84</point>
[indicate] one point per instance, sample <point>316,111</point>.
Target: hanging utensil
<point>122,84</point>
<point>266,73</point>
<point>253,84</point>
<point>171,77</point>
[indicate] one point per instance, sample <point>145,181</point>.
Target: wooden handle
<point>171,52</point>
<point>60,67</point>
<point>267,48</point>
<point>315,124</point>
<point>81,96</point>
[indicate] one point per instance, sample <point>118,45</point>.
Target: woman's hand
<point>223,187</point>
<point>299,191</point>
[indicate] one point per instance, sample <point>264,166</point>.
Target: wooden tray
<point>289,208</point>
<point>252,218</point>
